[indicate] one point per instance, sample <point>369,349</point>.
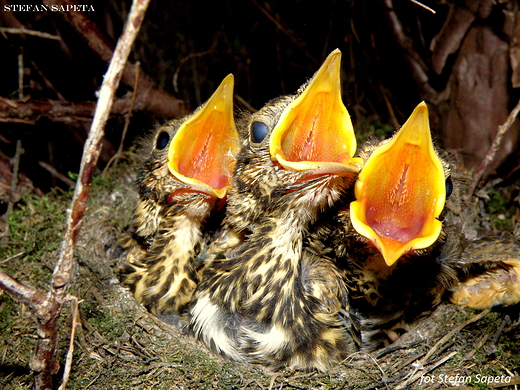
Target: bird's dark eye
<point>259,131</point>
<point>162,140</point>
<point>449,186</point>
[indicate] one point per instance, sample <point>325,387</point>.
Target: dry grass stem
<point>424,6</point>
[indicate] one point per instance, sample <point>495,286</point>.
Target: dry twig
<point>423,6</point>
<point>68,363</point>
<point>287,33</point>
<point>128,116</point>
<point>149,96</point>
<point>417,375</point>
<point>421,363</point>
<point>20,76</point>
<point>47,307</point>
<point>55,173</point>
<point>417,66</point>
<point>23,30</point>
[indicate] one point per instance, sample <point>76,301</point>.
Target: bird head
<point>192,160</point>
<point>401,191</point>
<point>297,145</point>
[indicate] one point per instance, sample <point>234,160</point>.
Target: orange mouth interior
<point>203,151</point>
<point>315,131</point>
<point>401,191</point>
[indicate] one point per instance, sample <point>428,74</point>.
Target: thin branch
<point>493,149</point>
<point>20,76</point>
<point>244,102</point>
<point>47,307</point>
<point>47,82</point>
<point>184,60</point>
<point>92,149</point>
<point>416,64</point>
<point>448,336</point>
<point>149,96</point>
<point>286,32</point>
<point>128,116</point>
<point>417,375</point>
<point>12,257</point>
<point>58,111</point>
<point>384,377</point>
<point>17,120</point>
<point>68,363</point>
<point>23,30</point>
<point>424,6</point>
<point>58,175</point>
<point>31,297</point>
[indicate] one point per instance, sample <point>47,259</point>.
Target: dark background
<point>460,60</point>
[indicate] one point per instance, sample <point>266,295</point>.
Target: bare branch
<point>423,361</point>
<point>55,173</point>
<point>59,111</point>
<point>287,33</point>
<point>20,76</point>
<point>70,353</point>
<point>23,30</point>
<point>27,295</point>
<point>32,110</point>
<point>47,307</point>
<point>424,6</point>
<point>416,64</point>
<point>61,277</point>
<point>149,96</point>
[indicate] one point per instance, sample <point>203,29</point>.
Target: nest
<point>120,345</point>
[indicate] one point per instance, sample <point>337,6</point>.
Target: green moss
<point>7,314</point>
<point>106,323</point>
<point>372,128</point>
<point>499,209</point>
<point>36,226</point>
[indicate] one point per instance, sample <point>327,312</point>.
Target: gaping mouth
<point>401,191</point>
<point>203,151</point>
<point>315,131</point>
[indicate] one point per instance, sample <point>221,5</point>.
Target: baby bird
<point>389,241</point>
<point>262,300</point>
<point>182,190</point>
<point>401,261</point>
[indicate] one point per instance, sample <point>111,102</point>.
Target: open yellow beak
<point>314,131</point>
<point>203,151</point>
<point>401,191</point>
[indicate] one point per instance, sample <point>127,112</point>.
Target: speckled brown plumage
<point>182,188</point>
<point>264,300</point>
<point>389,292</point>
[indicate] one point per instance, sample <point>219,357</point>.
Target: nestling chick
<point>182,189</point>
<point>389,242</point>
<point>399,259</point>
<point>263,300</point>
